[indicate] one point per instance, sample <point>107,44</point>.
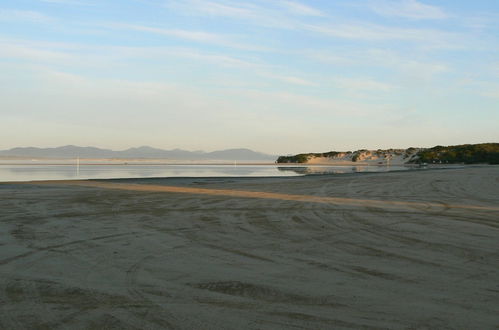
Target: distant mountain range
<point>143,152</point>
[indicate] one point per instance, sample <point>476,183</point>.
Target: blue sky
<point>276,76</point>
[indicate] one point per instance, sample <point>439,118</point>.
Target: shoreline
<point>211,164</point>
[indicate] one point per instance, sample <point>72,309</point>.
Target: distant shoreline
<point>64,172</point>
<point>330,164</point>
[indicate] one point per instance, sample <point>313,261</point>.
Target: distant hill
<point>363,156</point>
<point>468,153</point>
<point>143,152</point>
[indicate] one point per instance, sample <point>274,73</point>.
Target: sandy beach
<point>396,250</point>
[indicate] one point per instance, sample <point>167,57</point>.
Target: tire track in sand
<point>46,248</point>
<point>338,201</point>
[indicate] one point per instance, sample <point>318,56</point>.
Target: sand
<point>368,158</point>
<point>372,160</point>
<point>417,250</point>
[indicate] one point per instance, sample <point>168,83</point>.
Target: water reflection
<point>10,172</point>
<point>68,172</point>
<point>307,170</point>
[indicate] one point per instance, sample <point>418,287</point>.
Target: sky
<point>276,76</point>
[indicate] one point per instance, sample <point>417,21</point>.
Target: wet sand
<point>416,250</point>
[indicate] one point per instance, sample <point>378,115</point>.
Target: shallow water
<point>12,172</point>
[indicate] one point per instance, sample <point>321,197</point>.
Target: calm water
<point>11,172</point>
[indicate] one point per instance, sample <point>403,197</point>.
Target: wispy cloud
<point>24,52</point>
<point>218,59</point>
<point>95,55</point>
<point>481,21</point>
<point>66,2</point>
<point>197,36</point>
<point>294,17</point>
<point>362,84</point>
<point>215,8</point>
<point>266,16</point>
<point>329,57</point>
<point>402,64</point>
<point>406,65</point>
<point>484,88</point>
<point>301,9</point>
<point>23,16</point>
<point>376,32</point>
<point>194,109</point>
<point>495,69</point>
<point>493,93</point>
<point>295,103</point>
<point>411,9</point>
<point>288,79</point>
<point>488,89</point>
